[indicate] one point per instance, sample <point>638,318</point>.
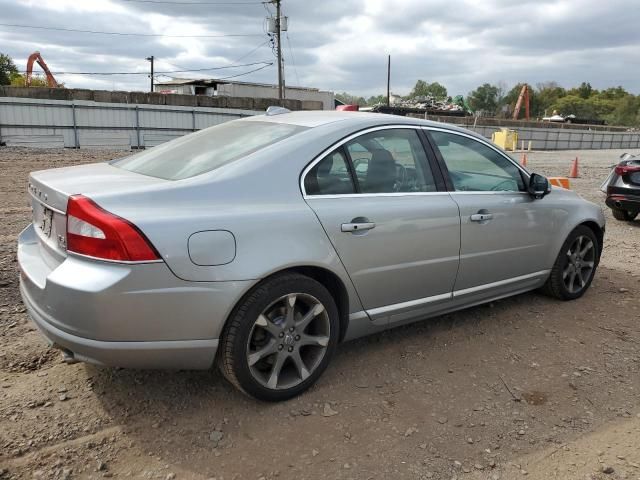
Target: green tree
<point>20,80</point>
<point>484,98</point>
<point>7,69</point>
<point>574,105</point>
<point>376,99</point>
<point>613,93</point>
<point>585,90</point>
<point>547,94</point>
<point>626,112</point>
<point>424,89</point>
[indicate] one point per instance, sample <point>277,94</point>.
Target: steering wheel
<point>401,177</point>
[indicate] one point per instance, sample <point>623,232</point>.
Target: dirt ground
<point>527,387</point>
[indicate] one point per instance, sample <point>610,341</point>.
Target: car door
<point>393,225</point>
<point>505,233</point>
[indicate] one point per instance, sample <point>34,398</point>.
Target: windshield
<point>207,149</point>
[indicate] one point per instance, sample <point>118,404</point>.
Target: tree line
<point>614,105</point>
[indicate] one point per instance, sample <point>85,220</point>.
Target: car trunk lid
<point>49,192</point>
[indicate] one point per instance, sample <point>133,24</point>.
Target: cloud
<point>339,44</point>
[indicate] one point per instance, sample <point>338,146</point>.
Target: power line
<point>129,34</point>
<point>264,65</point>
<point>293,60</point>
<point>247,54</point>
<point>193,3</point>
<point>237,74</point>
<point>175,65</point>
<point>245,73</point>
<point>233,62</point>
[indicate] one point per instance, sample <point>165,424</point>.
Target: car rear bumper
<point>624,201</point>
<point>177,354</point>
<point>138,316</point>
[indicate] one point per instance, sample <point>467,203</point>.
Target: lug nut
<point>291,349</point>
<point>280,347</point>
<point>291,329</point>
<point>281,334</point>
<point>297,337</point>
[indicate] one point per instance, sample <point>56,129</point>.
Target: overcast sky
<point>338,45</point>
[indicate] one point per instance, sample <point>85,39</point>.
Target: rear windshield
<point>207,149</point>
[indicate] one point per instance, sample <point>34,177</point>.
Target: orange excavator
<point>524,96</point>
<point>36,57</point>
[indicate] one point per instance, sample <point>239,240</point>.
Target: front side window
<point>475,167</point>
<point>390,161</point>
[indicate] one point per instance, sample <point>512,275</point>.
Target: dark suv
<point>623,188</point>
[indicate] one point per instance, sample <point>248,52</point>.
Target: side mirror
<point>538,186</point>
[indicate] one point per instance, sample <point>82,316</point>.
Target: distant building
<point>213,87</point>
<point>395,99</point>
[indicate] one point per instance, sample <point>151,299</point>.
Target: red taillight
<point>93,231</point>
<point>625,169</point>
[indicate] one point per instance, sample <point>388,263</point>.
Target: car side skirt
<point>364,323</point>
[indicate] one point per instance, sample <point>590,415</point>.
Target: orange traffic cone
<point>573,173</point>
<point>523,162</point>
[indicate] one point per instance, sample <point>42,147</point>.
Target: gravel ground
<point>527,387</point>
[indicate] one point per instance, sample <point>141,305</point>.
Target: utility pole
<point>388,80</point>
<point>150,59</point>
<point>280,82</point>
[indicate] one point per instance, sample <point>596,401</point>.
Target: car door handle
<point>357,227</point>
<point>481,217</point>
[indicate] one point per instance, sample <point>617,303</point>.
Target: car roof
<point>318,118</point>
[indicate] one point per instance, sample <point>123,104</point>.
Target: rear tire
<point>280,338</point>
<point>623,215</point>
<point>575,266</point>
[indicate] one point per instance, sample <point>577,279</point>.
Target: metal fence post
<point>76,142</point>
<point>546,140</point>
<point>138,127</point>
<point>193,119</point>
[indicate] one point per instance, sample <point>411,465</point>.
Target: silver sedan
<point>260,244</point>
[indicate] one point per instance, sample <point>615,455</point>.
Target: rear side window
<point>378,162</point>
<point>330,176</point>
<point>207,149</point>
<point>391,161</point>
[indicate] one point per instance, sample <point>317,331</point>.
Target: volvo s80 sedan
<point>261,244</point>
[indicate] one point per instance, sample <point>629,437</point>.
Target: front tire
<point>280,338</point>
<point>623,215</point>
<point>575,266</point>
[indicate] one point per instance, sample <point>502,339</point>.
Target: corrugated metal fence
<point>89,124</point>
<point>558,139</point>
<point>85,124</point>
<point>551,136</point>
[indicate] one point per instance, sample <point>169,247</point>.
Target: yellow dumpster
<point>505,139</point>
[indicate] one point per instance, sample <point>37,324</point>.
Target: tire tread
<point>237,320</point>
<point>554,286</point>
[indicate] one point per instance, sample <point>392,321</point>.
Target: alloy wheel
<point>288,341</point>
<point>580,265</point>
